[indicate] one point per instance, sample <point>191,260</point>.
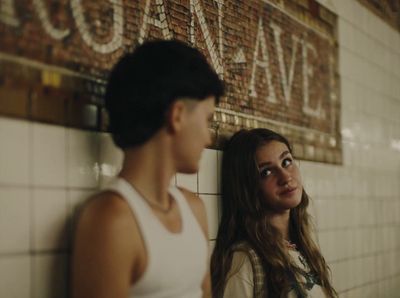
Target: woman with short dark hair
<point>140,236</point>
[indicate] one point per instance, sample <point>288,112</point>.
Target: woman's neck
<point>150,170</point>
<point>280,221</point>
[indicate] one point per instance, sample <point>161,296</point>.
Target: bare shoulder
<point>107,218</point>
<point>107,202</point>
<point>107,247</point>
<point>198,208</point>
<point>106,210</point>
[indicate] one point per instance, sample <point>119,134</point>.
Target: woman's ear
<point>175,116</point>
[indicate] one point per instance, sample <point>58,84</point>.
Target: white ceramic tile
<point>15,276</point>
<point>391,64</point>
<point>380,266</point>
<point>397,213</point>
<point>371,24</point>
<point>325,185</point>
<point>111,158</point>
<point>345,64</point>
<point>345,10</point>
<point>396,44</point>
<point>14,152</point>
<point>395,281</point>
<point>351,240</point>
<point>374,240</point>
<point>393,261</point>
<point>82,158</point>
<point>49,276</point>
<point>76,198</point>
<point>220,155</point>
<point>364,241</point>
<point>50,228</point>
<point>310,184</point>
<point>208,176</point>
<point>188,181</point>
<point>346,35</point>
<point>373,52</point>
<point>14,220</point>
<point>349,91</point>
<point>381,31</point>
<point>341,246</point>
<point>368,269</point>
<point>339,275</point>
<point>387,61</point>
<point>385,288</point>
<point>49,155</point>
<point>325,242</point>
<point>393,241</point>
<point>354,243</point>
<point>363,72</point>
<point>355,293</point>
<point>381,289</point>
<point>344,215</point>
<point>326,213</point>
<point>211,205</point>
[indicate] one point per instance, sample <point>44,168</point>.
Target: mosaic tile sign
<point>278,58</point>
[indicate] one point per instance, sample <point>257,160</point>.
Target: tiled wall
<point>47,171</point>
<point>357,205</point>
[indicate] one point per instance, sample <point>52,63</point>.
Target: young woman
<point>142,237</point>
<point>264,246</point>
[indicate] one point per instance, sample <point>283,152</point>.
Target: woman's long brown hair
<point>244,219</point>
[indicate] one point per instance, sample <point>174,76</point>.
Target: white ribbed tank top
<point>177,262</point>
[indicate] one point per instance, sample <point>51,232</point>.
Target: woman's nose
<point>284,176</point>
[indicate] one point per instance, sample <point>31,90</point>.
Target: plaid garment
<point>260,291</point>
<point>258,272</point>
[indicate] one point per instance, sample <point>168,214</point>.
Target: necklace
<point>153,204</point>
<point>158,206</point>
<point>289,244</point>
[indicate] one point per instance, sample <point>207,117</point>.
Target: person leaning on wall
<point>140,236</point>
<point>264,246</point>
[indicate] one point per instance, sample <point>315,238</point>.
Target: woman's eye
<point>287,162</point>
<point>265,173</point>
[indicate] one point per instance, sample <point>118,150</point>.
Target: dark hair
<point>245,219</point>
<point>143,85</point>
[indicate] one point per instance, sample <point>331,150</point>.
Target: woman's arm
<point>104,249</point>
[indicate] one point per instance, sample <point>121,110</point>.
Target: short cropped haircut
<point>143,85</point>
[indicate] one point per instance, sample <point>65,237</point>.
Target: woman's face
<point>281,184</point>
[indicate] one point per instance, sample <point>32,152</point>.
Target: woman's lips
<point>288,191</point>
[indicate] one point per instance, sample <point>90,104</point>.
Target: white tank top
<point>177,262</point>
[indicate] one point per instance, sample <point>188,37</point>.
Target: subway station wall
<point>47,170</point>
<point>278,59</point>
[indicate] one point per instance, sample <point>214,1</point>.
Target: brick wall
<point>278,59</point>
